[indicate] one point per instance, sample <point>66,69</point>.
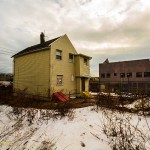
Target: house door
<point>83,84</point>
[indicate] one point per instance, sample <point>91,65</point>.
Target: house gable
<point>63,66</point>
<point>36,48</point>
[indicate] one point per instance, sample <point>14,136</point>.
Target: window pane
<point>122,75</point>
<point>115,74</point>
<point>59,79</point>
<point>85,61</point>
<point>108,75</point>
<point>103,75</point>
<point>71,57</point>
<point>139,74</point>
<point>146,74</point>
<point>58,54</point>
<point>129,75</point>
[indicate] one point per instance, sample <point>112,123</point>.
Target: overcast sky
<point>115,29</point>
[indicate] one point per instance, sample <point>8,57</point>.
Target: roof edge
<point>45,48</point>
<point>83,55</point>
<point>146,59</point>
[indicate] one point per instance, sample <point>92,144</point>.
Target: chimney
<point>106,61</point>
<point>42,38</point>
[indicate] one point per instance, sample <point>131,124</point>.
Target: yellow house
<point>51,66</point>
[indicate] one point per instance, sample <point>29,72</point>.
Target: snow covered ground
<point>82,132</point>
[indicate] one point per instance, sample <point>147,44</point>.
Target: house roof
<point>37,47</point>
<point>84,56</point>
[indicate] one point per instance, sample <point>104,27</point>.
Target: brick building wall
<point>126,74</point>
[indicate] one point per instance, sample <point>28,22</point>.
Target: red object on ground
<point>60,96</point>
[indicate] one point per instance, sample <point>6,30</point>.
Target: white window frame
<point>58,54</point>
<point>59,79</point>
<point>85,60</point>
<point>71,59</point>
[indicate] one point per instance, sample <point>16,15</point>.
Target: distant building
<point>51,66</point>
<point>131,75</point>
<point>94,84</point>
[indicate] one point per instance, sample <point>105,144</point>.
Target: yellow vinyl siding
<point>63,67</point>
<point>81,68</point>
<point>84,69</point>
<point>32,73</point>
<point>37,72</point>
<point>77,65</point>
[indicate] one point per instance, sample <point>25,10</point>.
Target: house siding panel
<point>32,73</point>
<point>63,67</point>
<point>84,69</point>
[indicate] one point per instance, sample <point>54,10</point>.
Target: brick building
<point>133,75</point>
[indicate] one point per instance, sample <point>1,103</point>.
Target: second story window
<point>115,74</point>
<point>122,75</point>
<point>146,74</point>
<point>129,75</point>
<point>139,74</point>
<point>58,54</point>
<point>85,61</point>
<point>103,75</point>
<point>71,58</point>
<point>108,75</point>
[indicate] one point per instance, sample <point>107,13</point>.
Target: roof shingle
<point>35,47</point>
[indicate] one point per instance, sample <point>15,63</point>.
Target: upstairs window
<point>146,74</point>
<point>58,54</point>
<point>108,75</point>
<point>71,58</point>
<point>115,74</point>
<point>85,61</point>
<point>139,74</point>
<point>129,75</point>
<point>59,79</point>
<point>122,75</point>
<point>103,75</point>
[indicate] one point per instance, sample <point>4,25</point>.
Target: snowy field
<point>83,131</point>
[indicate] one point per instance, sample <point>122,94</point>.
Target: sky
<point>115,29</point>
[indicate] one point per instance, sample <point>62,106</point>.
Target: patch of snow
<point>5,83</point>
<point>80,133</point>
<point>84,132</point>
<point>94,93</point>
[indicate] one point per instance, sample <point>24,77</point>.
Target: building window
<point>115,74</point>
<point>108,75</point>
<point>129,75</point>
<point>85,61</point>
<point>103,75</point>
<point>59,79</point>
<point>71,58</point>
<point>146,74</point>
<point>122,75</point>
<point>59,54</point>
<point>139,74</point>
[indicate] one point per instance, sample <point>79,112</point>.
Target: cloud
<point>114,29</point>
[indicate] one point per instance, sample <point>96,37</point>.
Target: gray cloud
<point>114,29</point>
